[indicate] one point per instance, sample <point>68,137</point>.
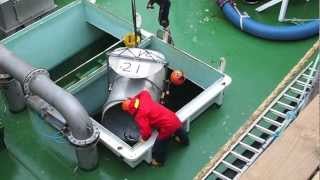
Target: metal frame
<point>143,151</point>
<point>283,10</point>
<point>29,20</point>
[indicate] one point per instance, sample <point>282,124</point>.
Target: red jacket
<point>151,114</point>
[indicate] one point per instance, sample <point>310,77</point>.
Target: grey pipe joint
<point>86,150</point>
<point>37,82</point>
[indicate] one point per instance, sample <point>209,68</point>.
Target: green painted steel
<point>37,146</point>
<point>44,47</point>
<point>91,88</point>
<point>200,29</point>
<point>106,21</point>
<point>205,74</point>
<point>13,169</point>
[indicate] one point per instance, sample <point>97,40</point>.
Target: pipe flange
<point>27,80</point>
<point>91,140</point>
<point>5,79</point>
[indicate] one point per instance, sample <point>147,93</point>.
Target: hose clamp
<point>28,79</point>
<point>85,142</point>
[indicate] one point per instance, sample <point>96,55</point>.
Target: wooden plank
<point>295,155</point>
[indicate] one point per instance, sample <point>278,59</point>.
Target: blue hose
<point>293,32</point>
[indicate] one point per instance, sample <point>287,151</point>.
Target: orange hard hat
<point>130,104</point>
<point>126,105</point>
<point>177,77</point>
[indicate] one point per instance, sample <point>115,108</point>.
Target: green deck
<point>255,65</point>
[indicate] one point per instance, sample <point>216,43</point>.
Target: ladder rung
<point>256,138</point>
<point>250,148</point>
<point>291,98</point>
<point>312,69</point>
<point>220,175</point>
<point>303,83</point>
<point>265,130</point>
<point>278,113</point>
<point>240,157</point>
<point>287,106</point>
<point>231,166</point>
<point>296,90</point>
<point>271,121</point>
<point>307,76</point>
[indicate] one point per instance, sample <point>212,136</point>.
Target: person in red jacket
<point>149,115</point>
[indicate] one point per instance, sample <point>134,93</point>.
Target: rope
<point>298,21</point>
<point>242,16</point>
<point>282,85</point>
<point>314,67</point>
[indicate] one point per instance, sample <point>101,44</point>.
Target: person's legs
<point>164,13</point>
<point>181,136</point>
<point>159,150</point>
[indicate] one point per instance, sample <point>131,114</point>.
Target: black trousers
<point>160,148</point>
<point>164,10</point>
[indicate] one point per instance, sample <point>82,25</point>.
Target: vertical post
<point>283,10</point>
<point>134,20</point>
<point>222,67</point>
<point>15,96</point>
<point>13,91</point>
<point>222,64</point>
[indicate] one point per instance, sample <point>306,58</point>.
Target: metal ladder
<point>266,127</point>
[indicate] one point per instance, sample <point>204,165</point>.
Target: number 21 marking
<point>126,67</point>
<point>138,69</point>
